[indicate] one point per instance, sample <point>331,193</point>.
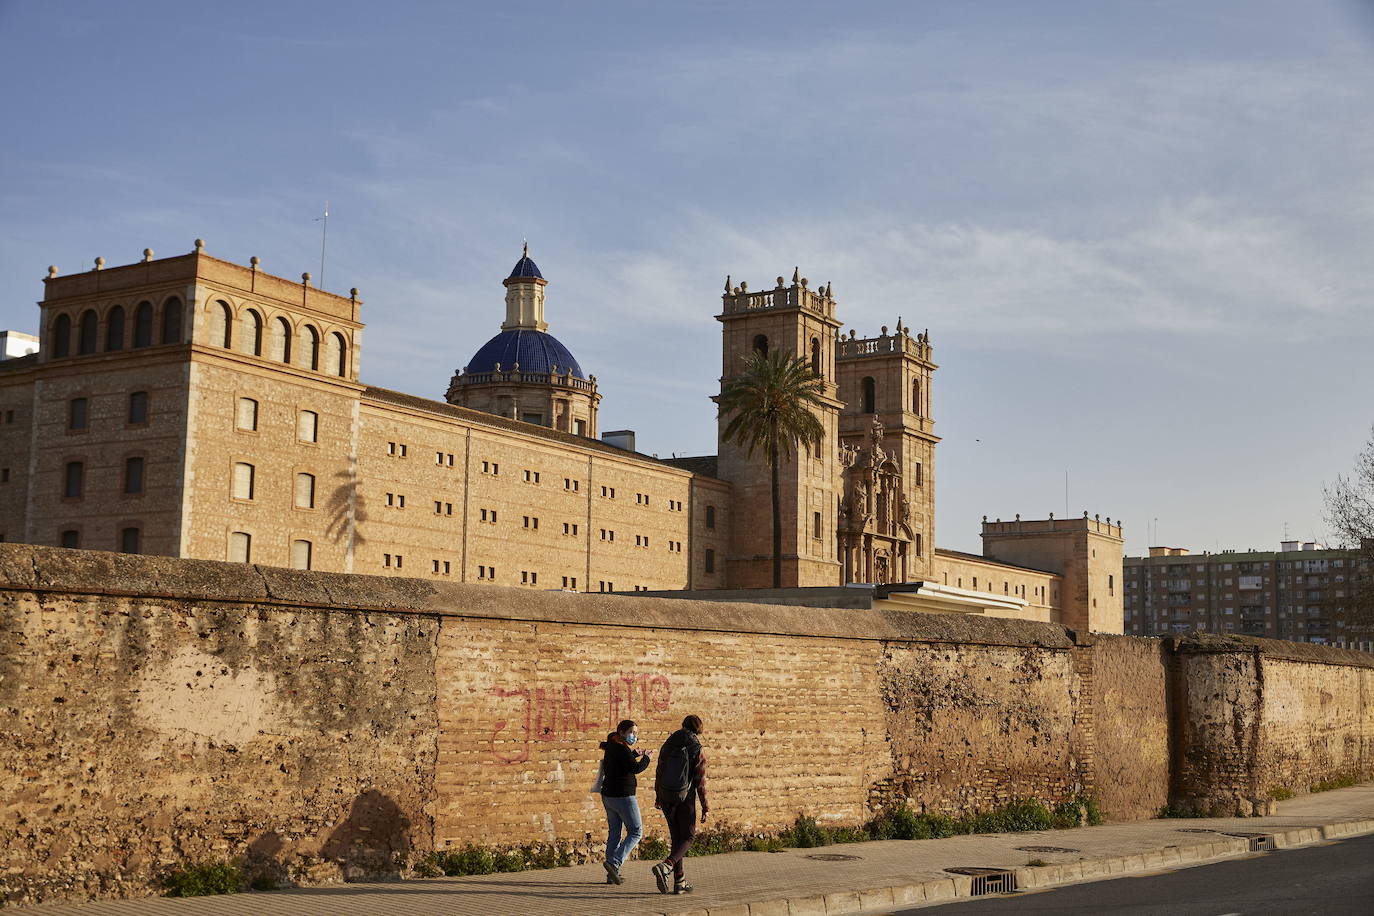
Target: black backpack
<point>676,765</point>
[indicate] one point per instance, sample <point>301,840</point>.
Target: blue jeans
<point>622,813</point>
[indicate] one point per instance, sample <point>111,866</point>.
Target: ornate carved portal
<point>875,535</point>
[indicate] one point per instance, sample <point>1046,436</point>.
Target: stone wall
<point>322,726</point>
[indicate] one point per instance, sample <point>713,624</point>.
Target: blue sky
<point>1139,232</point>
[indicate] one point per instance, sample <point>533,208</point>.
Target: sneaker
<point>661,871</point>
<point>682,887</point>
<point>613,874</point>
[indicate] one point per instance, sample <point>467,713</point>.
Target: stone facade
<point>192,407</point>
<point>321,726</point>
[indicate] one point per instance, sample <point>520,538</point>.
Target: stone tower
<point>1085,551</point>
<point>888,514</point>
<point>524,372</point>
<point>798,320</point>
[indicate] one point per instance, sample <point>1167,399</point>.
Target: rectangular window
<point>446,567</point>
<point>246,417</point>
<point>815,524</point>
<point>300,554</point>
<point>130,540</point>
<point>390,450</point>
<point>76,413</point>
<point>710,560</point>
<point>710,516</point>
<point>74,482</point>
<point>580,427</point>
<point>531,522</point>
<point>403,450</point>
<point>308,426</point>
<point>917,544</point>
<point>4,475</point>
<point>305,491</point>
<point>71,539</point>
<point>138,407</point>
<point>243,480</point>
<point>570,484</point>
<point>133,479</point>
<point>240,547</point>
<point>531,476</point>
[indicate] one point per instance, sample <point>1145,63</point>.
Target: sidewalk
<point>873,876</point>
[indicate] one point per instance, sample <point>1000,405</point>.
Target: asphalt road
<point>1327,879</point>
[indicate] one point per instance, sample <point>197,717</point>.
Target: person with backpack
<point>620,763</point>
<point>679,781</point>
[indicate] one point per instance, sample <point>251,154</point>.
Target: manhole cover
<point>987,880</point>
<point>1047,849</point>
<point>833,857</point>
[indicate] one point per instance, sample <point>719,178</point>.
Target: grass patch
<point>1280,793</point>
<point>653,847</point>
<point>1036,863</point>
<point>1336,782</point>
<point>204,880</point>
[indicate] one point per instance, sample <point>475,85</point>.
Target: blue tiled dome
<point>535,351</point>
<point>525,267</point>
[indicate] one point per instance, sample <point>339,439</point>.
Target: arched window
<point>312,349</point>
<point>62,336</point>
<point>339,351</point>
<point>916,396</point>
<point>250,335</point>
<point>868,389</point>
<point>86,338</point>
<point>816,355</point>
<point>114,329</point>
<point>305,491</point>
<point>143,325</point>
<point>221,324</point>
<point>171,321</point>
<point>279,344</point>
<point>761,343</point>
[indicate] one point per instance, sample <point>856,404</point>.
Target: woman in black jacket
<point>619,764</point>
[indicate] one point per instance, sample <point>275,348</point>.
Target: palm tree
<point>773,404</point>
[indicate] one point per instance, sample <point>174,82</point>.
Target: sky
<point>1138,232</point>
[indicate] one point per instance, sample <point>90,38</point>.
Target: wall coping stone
<point>31,568</point>
<point>1311,653</point>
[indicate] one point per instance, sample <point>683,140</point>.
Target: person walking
<point>679,781</point>
<point>620,763</point>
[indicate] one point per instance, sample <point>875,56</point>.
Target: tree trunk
<point>777,519</point>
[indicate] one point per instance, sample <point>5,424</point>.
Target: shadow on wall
<point>373,842</point>
<point>344,497</point>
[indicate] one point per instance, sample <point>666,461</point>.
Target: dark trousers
<point>682,826</point>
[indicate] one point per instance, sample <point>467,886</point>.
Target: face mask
<point>631,738</point>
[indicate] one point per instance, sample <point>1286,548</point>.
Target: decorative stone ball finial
<point>253,262</point>
<point>1018,516</point>
<point>852,334</point>
<point>52,270</point>
<point>780,282</point>
<point>200,244</point>
<point>353,293</point>
<point>985,520</point>
<point>803,282</point>
<point>147,254</point>
<point>744,285</point>
<point>884,330</point>
<point>1051,516</point>
<point>305,278</point>
<point>99,263</point>
<point>1085,513</point>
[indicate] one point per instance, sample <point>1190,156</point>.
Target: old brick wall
<point>144,731</point>
<point>322,726</point>
<point>1131,724</point>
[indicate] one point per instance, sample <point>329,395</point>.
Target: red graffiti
<point>567,711</point>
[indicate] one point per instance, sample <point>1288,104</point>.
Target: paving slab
<point>884,874</point>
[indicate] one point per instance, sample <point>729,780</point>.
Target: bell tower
<point>798,320</point>
<point>887,519</point>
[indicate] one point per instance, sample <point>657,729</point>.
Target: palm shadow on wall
<point>345,495</point>
<point>373,841</point>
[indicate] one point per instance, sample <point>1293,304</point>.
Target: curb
<point>957,886</point>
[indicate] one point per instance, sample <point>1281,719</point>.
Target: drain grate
<point>834,857</point>
<point>1047,849</point>
<point>987,880</point>
<point>1259,842</point>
